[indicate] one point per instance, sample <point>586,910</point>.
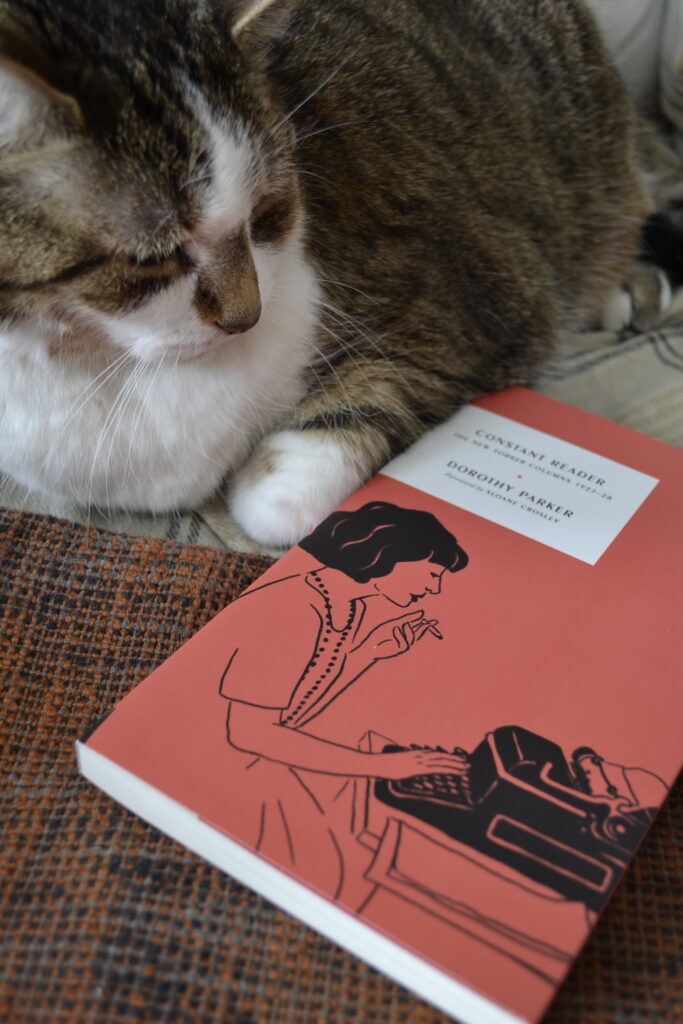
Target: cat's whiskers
<point>321,368</point>
<point>195,447</point>
<point>303,171</point>
<point>351,288</point>
<point>327,128</point>
<point>196,180</point>
<point>110,419</point>
<point>323,356</point>
<point>164,220</point>
<point>134,392</point>
<point>86,395</point>
<point>239,422</point>
<point>349,324</point>
<point>373,371</point>
<point>141,402</point>
<point>347,346</point>
<point>318,353</point>
<point>328,78</point>
<point>355,321</point>
<point>362,329</point>
<point>362,415</point>
<point>256,405</point>
<point>346,350</point>
<point>129,387</point>
<point>344,320</point>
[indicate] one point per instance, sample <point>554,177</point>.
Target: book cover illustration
<point>452,731</point>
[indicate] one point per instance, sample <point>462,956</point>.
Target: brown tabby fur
<point>468,170</point>
<point>509,204</point>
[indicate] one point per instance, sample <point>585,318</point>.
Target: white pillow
<point>632,30</point>
<point>671,73</point>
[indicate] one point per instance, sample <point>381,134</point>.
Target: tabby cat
<point>289,235</point>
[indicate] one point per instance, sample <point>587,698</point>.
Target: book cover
<point>439,727</point>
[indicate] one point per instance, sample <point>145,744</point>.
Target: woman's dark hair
<point>367,543</point>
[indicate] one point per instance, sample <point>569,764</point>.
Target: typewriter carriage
<point>525,804</point>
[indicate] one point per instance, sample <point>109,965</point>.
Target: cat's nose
<point>240,326</point>
<point>227,292</point>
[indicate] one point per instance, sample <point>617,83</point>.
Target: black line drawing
<point>519,901</point>
<point>571,825</point>
<point>542,826</point>
<point>379,552</point>
<point>543,959</point>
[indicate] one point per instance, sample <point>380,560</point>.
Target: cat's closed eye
<point>173,264</point>
<point>315,228</point>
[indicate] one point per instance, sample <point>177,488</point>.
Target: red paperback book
<point>438,728</point>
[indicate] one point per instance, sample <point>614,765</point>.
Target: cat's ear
<point>257,23</point>
<point>30,108</point>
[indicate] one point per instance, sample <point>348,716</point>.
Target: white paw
<point>617,312</point>
<point>640,302</point>
<point>293,480</point>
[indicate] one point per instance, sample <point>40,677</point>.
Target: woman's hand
<point>404,763</point>
<point>397,635</point>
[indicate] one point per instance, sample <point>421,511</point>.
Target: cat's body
<point>338,228</point>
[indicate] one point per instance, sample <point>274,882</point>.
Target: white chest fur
<point>114,432</point>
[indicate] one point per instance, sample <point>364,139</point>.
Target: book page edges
<point>178,822</point>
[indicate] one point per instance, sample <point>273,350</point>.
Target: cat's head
<point>147,184</point>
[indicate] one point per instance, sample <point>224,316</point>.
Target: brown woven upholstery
<point>104,919</point>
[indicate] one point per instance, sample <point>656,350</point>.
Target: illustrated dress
<point>300,819</point>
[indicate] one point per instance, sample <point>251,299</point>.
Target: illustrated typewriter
<point>524,804</point>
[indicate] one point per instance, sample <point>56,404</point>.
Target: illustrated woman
<point>278,684</point>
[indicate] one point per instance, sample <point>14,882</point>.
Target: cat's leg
<point>651,290</point>
<point>293,480</point>
<point>641,301</point>
<point>375,391</point>
<point>336,438</point>
<point>345,429</point>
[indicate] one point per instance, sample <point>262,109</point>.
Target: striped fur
<point>459,181</point>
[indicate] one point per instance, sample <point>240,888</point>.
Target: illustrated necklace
<point>325,664</point>
<point>320,585</point>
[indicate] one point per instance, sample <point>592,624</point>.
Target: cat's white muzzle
<point>165,328</point>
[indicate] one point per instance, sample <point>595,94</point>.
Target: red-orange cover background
<point>585,655</point>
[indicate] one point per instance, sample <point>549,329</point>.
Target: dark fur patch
<point>662,244</point>
<point>467,171</point>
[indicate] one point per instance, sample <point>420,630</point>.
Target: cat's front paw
<point>640,302</point>
<point>292,481</point>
